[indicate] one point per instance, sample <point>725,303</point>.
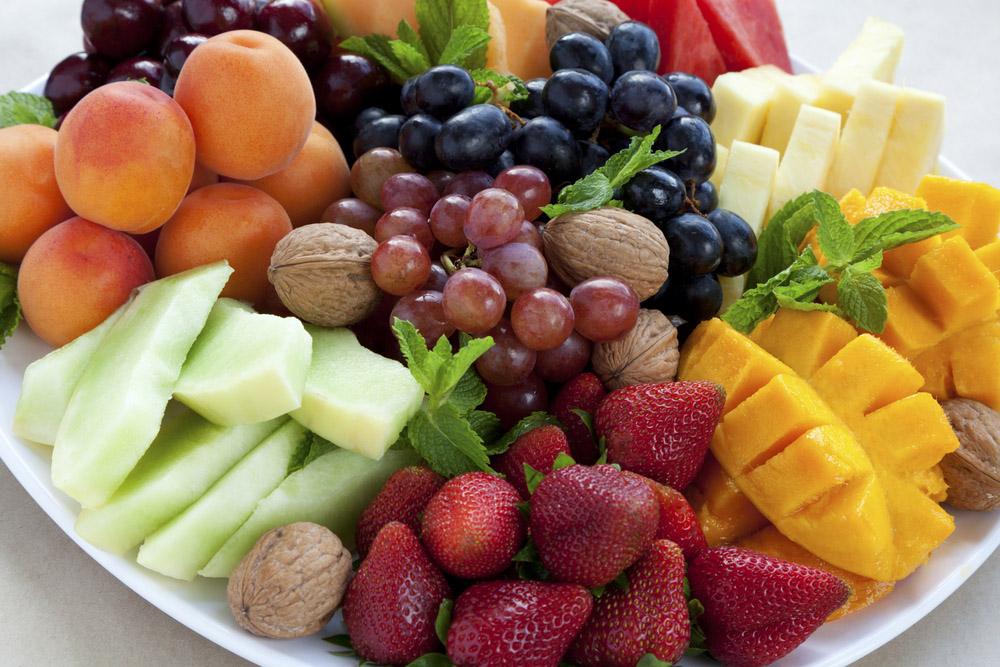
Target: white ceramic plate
<point>202,605</point>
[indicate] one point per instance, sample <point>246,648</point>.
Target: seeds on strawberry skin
<point>583,392</point>
<point>522,623</point>
<point>402,498</point>
<point>539,448</point>
<point>678,522</point>
<point>472,527</point>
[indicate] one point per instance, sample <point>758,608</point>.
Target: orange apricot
<point>250,102</point>
<point>317,177</point>
<point>125,156</point>
<point>227,221</point>
<point>75,275</point>
<point>31,199</point>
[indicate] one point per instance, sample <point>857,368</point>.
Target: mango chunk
<point>724,513</point>
<point>989,255</point>
<point>920,524</point>
<point>911,327</point>
<point>909,435</point>
<point>852,205</point>
<point>975,363</point>
<point>934,365</point>
<point>801,341</point>
<point>957,287</point>
<point>975,206</point>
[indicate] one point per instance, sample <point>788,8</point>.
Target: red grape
<point>409,189</point>
<point>437,279</point>
<point>473,301</point>
<point>518,266</point>
<point>400,264</point>
<point>606,308</point>
<point>565,362</point>
<point>529,184</point>
<point>542,318</point>
<point>447,219</point>
<point>405,222</point>
<point>468,183</point>
<point>529,234</point>
<point>493,218</point>
<point>424,309</point>
<point>373,169</point>
<point>514,403</point>
<point>353,213</point>
<point>440,178</point>
<point>509,361</point>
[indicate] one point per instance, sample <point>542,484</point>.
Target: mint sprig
<point>26,109</point>
<point>10,306</point>
<point>453,32</point>
<point>785,277</point>
<point>597,188</point>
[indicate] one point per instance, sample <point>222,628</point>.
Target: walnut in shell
<point>973,470</point>
<point>607,242</point>
<point>291,582</point>
<point>594,17</point>
<point>322,273</point>
<point>647,353</point>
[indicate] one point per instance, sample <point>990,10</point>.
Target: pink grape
<point>447,219</point>
<point>424,309</point>
<point>493,218</point>
<point>353,213</point>
<point>542,318</point>
<point>440,178</point>
<point>529,234</point>
<point>565,362</point>
<point>400,264</point>
<point>473,301</point>
<point>405,221</point>
<point>409,189</point>
<point>370,172</point>
<point>606,308</point>
<point>514,403</point>
<point>518,266</point>
<point>437,278</point>
<point>509,361</point>
<point>468,183</point>
<point>529,184</point>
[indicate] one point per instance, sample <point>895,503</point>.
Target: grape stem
<point>452,261</point>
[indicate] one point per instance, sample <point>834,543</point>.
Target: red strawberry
<point>403,499</point>
<point>678,522</point>
<point>758,607</point>
<point>584,392</point>
<point>523,623</point>
<point>591,522</point>
<point>392,602</point>
<point>651,616</point>
<point>472,527</point>
<point>539,448</point>
<point>661,430</point>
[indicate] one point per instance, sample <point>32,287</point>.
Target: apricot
<point>228,221</point>
<point>31,199</point>
<point>317,177</point>
<point>250,102</point>
<point>201,177</point>
<point>125,156</point>
<point>75,275</point>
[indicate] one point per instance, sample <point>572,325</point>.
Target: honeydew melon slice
<point>332,491</point>
<point>187,457</point>
<point>117,406</point>
<point>48,383</point>
<point>245,367</point>
<point>187,541</point>
<point>353,397</point>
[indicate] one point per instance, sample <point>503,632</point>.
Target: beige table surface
<point>58,607</point>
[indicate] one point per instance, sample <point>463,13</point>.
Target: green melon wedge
<point>48,383</point>
<point>353,397</point>
<point>245,367</point>
<point>332,490</point>
<point>116,408</point>
<point>185,459</point>
<point>185,544</point>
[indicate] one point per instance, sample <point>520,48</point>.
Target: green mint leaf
<point>10,305</point>
<point>434,17</point>
<point>563,460</point>
<point>895,228</point>
<point>414,349</point>
<point>795,304</point>
<point>18,108</point>
<point>297,460</point>
<point>590,192</point>
<point>621,581</point>
<point>835,234</point>
<point>623,165</point>
<point>456,365</point>
<point>528,553</point>
<point>868,264</point>
<point>494,88</point>
<point>432,660</point>
<point>465,40</point>
<point>447,442</point>
<point>759,303</point>
<point>379,49</point>
<point>588,421</point>
<point>343,641</point>
<point>863,300</point>
<point>411,59</point>
<point>470,12</point>
<point>405,33</point>
<point>531,422</point>
<point>443,621</point>
<point>468,394</point>
<point>486,425</point>
<point>532,477</point>
<point>650,660</point>
<point>778,243</point>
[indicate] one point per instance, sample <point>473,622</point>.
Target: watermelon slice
<point>747,32</point>
<point>637,10</point>
<point>686,43</point>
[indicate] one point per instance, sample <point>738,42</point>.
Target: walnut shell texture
<point>607,242</point>
<point>647,353</point>
<point>291,582</point>
<point>594,17</point>
<point>973,470</point>
<point>322,273</point>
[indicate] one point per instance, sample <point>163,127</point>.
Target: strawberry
<point>584,392</point>
<point>524,623</point>
<point>472,527</point>
<point>391,604</point>
<point>650,616</point>
<point>678,522</point>
<point>403,499</point>
<point>591,522</point>
<point>539,448</point>
<point>759,607</point>
<point>660,430</point>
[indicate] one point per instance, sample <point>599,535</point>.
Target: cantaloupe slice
<point>522,23</point>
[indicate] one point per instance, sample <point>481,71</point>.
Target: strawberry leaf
<point>344,641</point>
<point>532,477</point>
<point>432,660</point>
<point>443,621</point>
<point>531,422</point>
<point>562,461</point>
<point>650,660</point>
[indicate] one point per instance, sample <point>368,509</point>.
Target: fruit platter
<point>501,332</point>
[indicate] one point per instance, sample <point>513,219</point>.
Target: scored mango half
<point>826,432</point>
